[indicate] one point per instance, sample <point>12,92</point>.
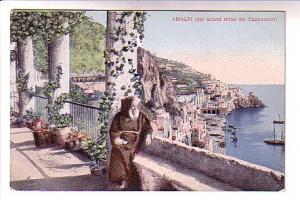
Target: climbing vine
<point>50,24</point>
<point>59,120</point>
<point>129,42</point>
<point>53,84</point>
<point>22,80</point>
<point>97,149</point>
<point>54,106</point>
<point>22,83</point>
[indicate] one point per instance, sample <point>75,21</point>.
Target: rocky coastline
<point>164,81</point>
<point>250,101</point>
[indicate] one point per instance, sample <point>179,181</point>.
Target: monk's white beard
<point>133,116</point>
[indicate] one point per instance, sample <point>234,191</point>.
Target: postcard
<point>147,100</point>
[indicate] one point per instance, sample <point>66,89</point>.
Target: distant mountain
<point>183,77</point>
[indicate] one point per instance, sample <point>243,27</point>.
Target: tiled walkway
<point>48,169</point>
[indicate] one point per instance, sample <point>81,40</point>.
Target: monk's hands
<point>148,140</point>
<point>119,141</point>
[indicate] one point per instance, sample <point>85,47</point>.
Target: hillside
<point>87,43</point>
<point>183,77</point>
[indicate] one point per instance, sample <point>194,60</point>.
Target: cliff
<point>163,79</point>
<point>158,88</point>
<point>180,74</point>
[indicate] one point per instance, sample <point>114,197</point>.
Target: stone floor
<point>48,169</point>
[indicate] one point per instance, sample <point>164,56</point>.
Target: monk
<point>130,129</point>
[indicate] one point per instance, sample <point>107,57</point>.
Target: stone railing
<point>228,170</point>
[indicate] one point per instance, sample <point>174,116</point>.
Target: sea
<point>254,125</point>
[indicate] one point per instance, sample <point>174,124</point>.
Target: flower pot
<point>39,138</point>
<point>50,138</point>
<point>61,135</point>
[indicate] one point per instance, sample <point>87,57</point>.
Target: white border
<point>292,10</point>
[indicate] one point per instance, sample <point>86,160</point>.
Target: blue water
<point>255,125</point>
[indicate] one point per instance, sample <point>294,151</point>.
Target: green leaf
<point>123,87</point>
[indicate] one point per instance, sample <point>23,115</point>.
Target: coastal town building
<point>201,121</point>
<point>163,123</point>
<point>199,98</point>
<point>198,134</point>
<point>186,97</point>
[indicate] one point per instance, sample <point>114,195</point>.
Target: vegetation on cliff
<point>180,74</point>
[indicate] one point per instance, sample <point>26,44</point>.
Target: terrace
<point>164,165</point>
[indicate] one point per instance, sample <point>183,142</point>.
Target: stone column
<point>14,97</point>
<point>26,62</point>
<point>59,55</point>
<point>123,82</point>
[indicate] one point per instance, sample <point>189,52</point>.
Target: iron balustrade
<point>40,107</point>
<point>84,117</point>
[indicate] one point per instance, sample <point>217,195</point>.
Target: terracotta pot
<point>39,138</point>
<point>61,135</point>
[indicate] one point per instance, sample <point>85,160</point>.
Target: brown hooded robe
<point>121,166</point>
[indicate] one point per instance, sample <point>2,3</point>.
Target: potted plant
<point>32,119</point>
<point>59,123</point>
<point>61,128</point>
<point>96,151</point>
<point>74,140</point>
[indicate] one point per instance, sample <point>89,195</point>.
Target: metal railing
<point>84,117</point>
<point>40,106</point>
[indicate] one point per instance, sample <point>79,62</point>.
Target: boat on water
<point>231,128</point>
<point>278,122</point>
<point>276,141</point>
<point>216,134</point>
<point>233,136</point>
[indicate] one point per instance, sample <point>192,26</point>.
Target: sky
<point>236,52</point>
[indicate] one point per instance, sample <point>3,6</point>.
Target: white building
<point>163,123</point>
<point>199,98</point>
<point>185,98</point>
